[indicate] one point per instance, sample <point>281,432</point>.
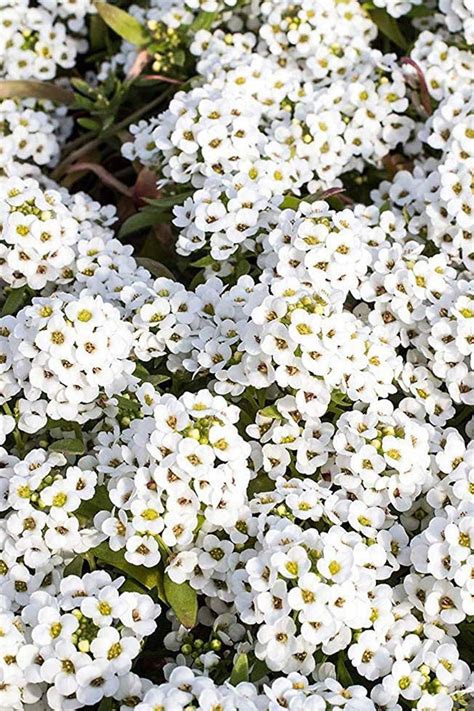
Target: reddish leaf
<point>424,93</point>
<point>145,187</point>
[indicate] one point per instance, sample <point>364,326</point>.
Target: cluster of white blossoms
<point>446,67</point>
<point>321,38</point>
<point>50,237</point>
<point>183,463</point>
<point>37,41</point>
<point>435,198</point>
<point>32,131</point>
<point>40,495</point>
<point>459,17</point>
<point>65,356</point>
<point>456,15</point>
<point>397,8</point>
<point>257,129</point>
<point>249,487</point>
<point>186,689</point>
<point>72,645</point>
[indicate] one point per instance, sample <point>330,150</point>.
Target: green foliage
<point>123,24</point>
<point>388,26</point>
<point>240,671</point>
<point>148,577</point>
<point>15,300</point>
<point>183,601</point>
<point>68,446</point>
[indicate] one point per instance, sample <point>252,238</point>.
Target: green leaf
<point>141,220</point>
<point>203,21</point>
<point>99,502</point>
<point>106,705</point>
<point>259,670</point>
<point>262,482</point>
<point>240,672</point>
<point>270,411</point>
<point>179,57</point>
<point>89,124</point>
<point>156,379</point>
<point>204,261</point>
<point>128,404</point>
<point>15,300</point>
<point>157,212</point>
<point>35,90</point>
<point>68,446</point>
<point>342,674</point>
<point>388,26</point>
<point>183,601</point>
<point>420,11</point>
<point>98,33</point>
<point>125,25</point>
<point>148,577</point>
<point>290,202</point>
<point>166,202</point>
<point>83,87</point>
<point>155,268</point>
<point>75,566</point>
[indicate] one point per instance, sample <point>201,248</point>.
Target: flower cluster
<point>38,41</point>
<point>182,463</point>
<point>186,689</point>
<point>256,130</point>
<point>49,237</point>
<point>74,645</point>
<point>33,131</point>
<point>67,355</point>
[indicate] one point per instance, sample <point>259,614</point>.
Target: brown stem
<point>106,177</point>
<point>73,157</point>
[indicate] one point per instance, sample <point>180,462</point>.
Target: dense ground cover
<point>236,355</point>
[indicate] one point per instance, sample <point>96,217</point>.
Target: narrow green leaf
<point>142,373</point>
<point>203,262</point>
<point>89,124</point>
<point>165,203</point>
<point>262,482</point>
<point>155,268</point>
<point>183,601</point>
<point>343,675</point>
<point>141,220</point>
<point>240,672</point>
<point>68,446</point>
<point>259,670</point>
<point>203,21</point>
<point>15,300</point>
<point>158,379</point>
<point>125,25</point>
<point>106,705</point>
<point>83,87</point>
<point>148,577</point>
<point>388,26</point>
<point>98,32</point>
<point>36,90</point>
<point>420,11</point>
